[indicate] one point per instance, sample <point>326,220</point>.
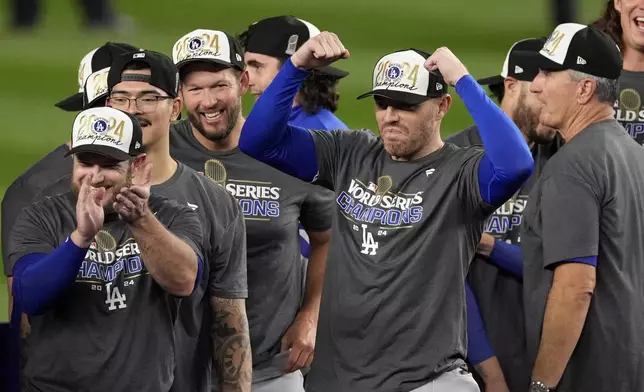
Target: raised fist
<point>447,64</point>
<point>319,51</point>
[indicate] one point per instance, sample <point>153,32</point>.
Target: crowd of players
<point>283,252</point>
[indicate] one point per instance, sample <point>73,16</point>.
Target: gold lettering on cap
<point>392,74</point>
<point>197,46</point>
<point>105,128</point>
<point>552,43</point>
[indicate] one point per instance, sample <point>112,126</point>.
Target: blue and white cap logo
<point>394,72</point>
<point>195,44</point>
<point>99,125</point>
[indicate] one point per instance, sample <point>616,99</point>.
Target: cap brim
<point>107,151</point>
<point>72,104</point>
<point>333,71</point>
<point>398,96</point>
<point>496,79</point>
<point>206,60</point>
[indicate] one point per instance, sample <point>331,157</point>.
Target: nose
<point>391,115</point>
<point>97,175</point>
<point>209,99</point>
<point>537,84</point>
<point>132,108</point>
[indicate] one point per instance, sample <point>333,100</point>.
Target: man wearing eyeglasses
<point>145,84</point>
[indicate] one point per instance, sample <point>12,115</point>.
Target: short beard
<point>526,120</point>
<point>233,114</point>
<point>409,149</point>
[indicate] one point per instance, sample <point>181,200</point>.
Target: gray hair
<point>606,90</point>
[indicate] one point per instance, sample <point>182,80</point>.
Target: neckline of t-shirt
<point>175,176</point>
<point>432,156</point>
<point>193,140</point>
<point>634,74</point>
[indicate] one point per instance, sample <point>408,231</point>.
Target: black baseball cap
<point>401,76</point>
<point>280,37</point>
<point>517,64</point>
<point>164,74</point>
<point>93,61</point>
<point>211,46</point>
<point>107,131</point>
<point>577,47</point>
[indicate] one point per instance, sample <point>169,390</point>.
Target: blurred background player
<point>98,14</point>
<point>101,269</point>
<point>282,314</point>
<point>582,242</point>
<point>623,20</point>
<point>398,198</point>
<point>497,285</point>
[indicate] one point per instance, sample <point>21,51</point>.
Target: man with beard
<point>155,103</point>
<point>100,270</point>
<point>24,189</point>
<point>497,286</point>
<point>282,319</point>
<point>410,212</point>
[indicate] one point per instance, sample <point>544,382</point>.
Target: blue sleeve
<point>478,346</point>
<point>266,135</point>
<point>507,162</point>
<point>590,260</point>
<point>508,257</point>
<point>39,278</point>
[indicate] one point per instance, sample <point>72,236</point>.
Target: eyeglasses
<point>145,103</point>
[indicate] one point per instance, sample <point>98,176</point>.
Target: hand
<point>319,51</point>
<point>89,213</point>
<point>486,245</point>
<point>447,64</point>
<point>300,340</point>
<point>131,203</point>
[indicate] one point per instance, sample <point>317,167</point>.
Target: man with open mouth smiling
<point>282,314</point>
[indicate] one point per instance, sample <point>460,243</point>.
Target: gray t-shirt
<point>629,108</point>
<point>113,328</point>
<point>499,295</point>
<point>223,274</point>
<point>393,307</point>
<point>588,201</point>
<point>273,203</point>
<point>23,191</point>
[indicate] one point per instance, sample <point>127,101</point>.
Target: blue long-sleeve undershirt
<point>268,137</point>
<point>507,257</point>
<point>39,278</point>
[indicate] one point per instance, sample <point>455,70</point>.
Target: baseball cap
<point>402,76</point>
<point>107,131</point>
<point>580,48</point>
<point>208,45</point>
<point>93,61</point>
<point>517,64</point>
<point>164,74</point>
<point>95,88</point>
<point>280,37</point>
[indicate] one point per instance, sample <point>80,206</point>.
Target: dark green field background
<point>39,68</point>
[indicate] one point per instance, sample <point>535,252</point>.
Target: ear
<point>244,81</point>
<point>177,104</point>
<point>585,91</point>
<point>512,86</point>
<point>618,6</point>
<point>443,106</point>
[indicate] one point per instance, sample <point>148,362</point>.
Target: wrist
<point>80,240</point>
<point>539,386</point>
<point>143,220</point>
<point>486,246</point>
